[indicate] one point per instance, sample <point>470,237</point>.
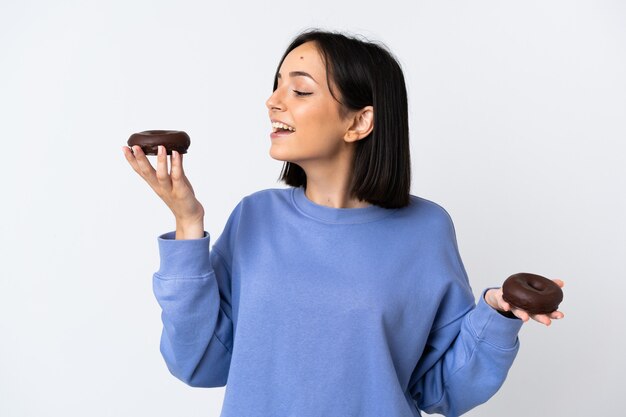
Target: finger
<point>521,314</point>
<point>177,167</point>
<point>185,176</point>
<point>145,167</point>
<point>557,315</point>
<point>542,318</point>
<point>503,303</point>
<point>559,282</point>
<point>128,154</point>
<point>161,172</point>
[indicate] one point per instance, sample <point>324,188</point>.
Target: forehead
<point>306,58</point>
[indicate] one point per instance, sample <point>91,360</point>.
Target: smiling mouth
<point>280,127</point>
<point>281,132</point>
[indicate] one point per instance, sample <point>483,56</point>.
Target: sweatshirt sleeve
<point>469,350</point>
<point>193,288</point>
<point>466,361</point>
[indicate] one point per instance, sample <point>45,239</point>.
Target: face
<point>305,103</point>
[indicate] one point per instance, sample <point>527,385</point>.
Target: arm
<point>465,361</point>
<point>192,287</point>
<point>470,346</point>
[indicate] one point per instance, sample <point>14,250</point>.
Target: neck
<point>335,197</point>
<point>329,187</point>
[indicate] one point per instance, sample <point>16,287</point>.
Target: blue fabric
<point>306,310</point>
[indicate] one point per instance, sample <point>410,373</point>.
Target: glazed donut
<point>532,292</point>
<point>149,140</point>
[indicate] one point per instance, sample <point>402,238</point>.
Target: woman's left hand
<point>493,297</point>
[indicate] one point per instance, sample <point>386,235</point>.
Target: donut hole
<point>536,285</point>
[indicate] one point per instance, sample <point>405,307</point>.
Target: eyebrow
<point>299,74</point>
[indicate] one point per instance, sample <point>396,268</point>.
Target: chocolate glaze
<point>149,140</point>
<point>532,292</point>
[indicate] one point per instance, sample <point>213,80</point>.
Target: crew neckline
<point>337,215</point>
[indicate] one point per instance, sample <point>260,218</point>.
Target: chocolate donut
<point>149,140</point>
<point>532,292</point>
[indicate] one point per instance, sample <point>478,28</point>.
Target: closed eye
<point>301,93</point>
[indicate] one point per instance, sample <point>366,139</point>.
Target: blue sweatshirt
<point>304,310</point>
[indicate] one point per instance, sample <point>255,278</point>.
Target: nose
<point>274,102</point>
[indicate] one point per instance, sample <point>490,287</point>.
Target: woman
<point>341,295</point>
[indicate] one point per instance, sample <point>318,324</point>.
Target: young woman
<point>342,294</point>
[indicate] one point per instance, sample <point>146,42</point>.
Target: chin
<point>278,155</point>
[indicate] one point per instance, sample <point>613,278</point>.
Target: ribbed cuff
<point>493,327</point>
<point>184,258</point>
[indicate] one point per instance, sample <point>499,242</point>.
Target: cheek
<point>319,119</point>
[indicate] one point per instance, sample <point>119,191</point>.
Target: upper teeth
<point>279,125</point>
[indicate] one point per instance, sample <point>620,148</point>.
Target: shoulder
<point>428,206</point>
<point>437,226</point>
<point>251,210</point>
<point>257,206</point>
<point>266,199</point>
<point>426,213</point>
<point>268,194</point>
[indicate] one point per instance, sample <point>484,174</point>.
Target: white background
<point>517,117</point>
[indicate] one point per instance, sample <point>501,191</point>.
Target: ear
<point>362,124</point>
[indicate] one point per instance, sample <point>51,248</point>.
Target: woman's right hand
<point>173,188</point>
